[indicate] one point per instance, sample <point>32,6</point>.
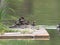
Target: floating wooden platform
<point>41,34</point>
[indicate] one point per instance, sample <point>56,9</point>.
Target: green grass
<point>54,40</point>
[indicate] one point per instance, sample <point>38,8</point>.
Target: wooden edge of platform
<point>24,39</point>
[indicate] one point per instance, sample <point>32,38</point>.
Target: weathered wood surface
<point>41,34</point>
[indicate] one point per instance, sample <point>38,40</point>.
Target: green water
<point>42,11</point>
